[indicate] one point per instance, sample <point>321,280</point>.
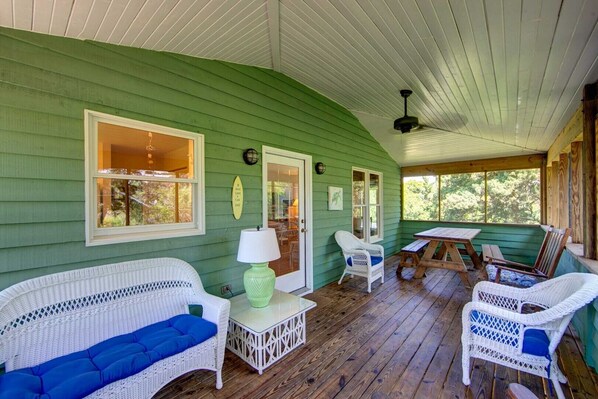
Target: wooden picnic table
<point>443,253</point>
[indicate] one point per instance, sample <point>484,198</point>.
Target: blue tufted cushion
<point>78,374</point>
<point>375,260</point>
<point>535,342</point>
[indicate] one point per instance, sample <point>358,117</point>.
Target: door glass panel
<point>283,215</point>
<point>358,221</point>
<point>358,203</point>
<point>374,217</point>
<point>358,188</point>
<point>374,189</point>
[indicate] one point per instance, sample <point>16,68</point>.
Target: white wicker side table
<point>261,336</point>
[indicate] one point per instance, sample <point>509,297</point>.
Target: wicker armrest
<point>502,262</point>
<point>374,249</point>
<point>358,252</point>
<point>495,311</point>
<point>527,271</point>
<point>487,287</point>
<point>215,309</point>
<point>541,320</point>
<point>504,296</point>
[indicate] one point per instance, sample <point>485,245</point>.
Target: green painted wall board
<point>45,84</point>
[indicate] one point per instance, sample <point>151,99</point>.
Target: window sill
<point>576,250</point>
<point>143,236</point>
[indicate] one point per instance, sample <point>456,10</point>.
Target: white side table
<point>261,336</point>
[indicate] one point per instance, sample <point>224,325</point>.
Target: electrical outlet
<point>225,288</point>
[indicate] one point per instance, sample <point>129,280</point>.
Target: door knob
<point>303,230</point>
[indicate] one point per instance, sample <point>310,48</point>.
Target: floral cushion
<point>508,277</point>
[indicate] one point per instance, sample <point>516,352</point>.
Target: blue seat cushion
<point>375,260</point>
<point>535,342</point>
<point>79,374</point>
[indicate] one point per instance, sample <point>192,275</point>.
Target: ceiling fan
<point>408,123</point>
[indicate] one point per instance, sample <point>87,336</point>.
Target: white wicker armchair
<point>361,259</point>
<point>495,329</point>
<point>51,316</point>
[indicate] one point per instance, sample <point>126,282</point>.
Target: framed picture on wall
<point>335,198</point>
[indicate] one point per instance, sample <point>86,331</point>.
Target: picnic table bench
<point>410,254</point>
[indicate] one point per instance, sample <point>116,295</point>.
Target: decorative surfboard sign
<point>237,198</point>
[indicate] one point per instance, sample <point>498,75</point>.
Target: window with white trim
<point>367,205</point>
<point>142,181</point>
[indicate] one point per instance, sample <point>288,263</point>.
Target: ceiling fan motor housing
<point>406,123</point>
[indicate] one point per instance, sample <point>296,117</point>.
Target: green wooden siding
<point>45,84</point>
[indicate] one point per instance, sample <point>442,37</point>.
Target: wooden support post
<point>554,183</point>
<point>549,197</point>
<point>589,169</point>
<point>543,194</point>
<point>576,216</point>
<point>564,191</point>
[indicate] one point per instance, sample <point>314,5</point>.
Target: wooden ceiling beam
<point>481,165</point>
<point>273,7</point>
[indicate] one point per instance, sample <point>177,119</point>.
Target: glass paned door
<point>285,204</point>
<point>375,206</point>
<point>367,205</point>
<point>359,206</point>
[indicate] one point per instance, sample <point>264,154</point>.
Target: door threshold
<point>301,291</point>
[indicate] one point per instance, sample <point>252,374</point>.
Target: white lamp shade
<point>258,246</point>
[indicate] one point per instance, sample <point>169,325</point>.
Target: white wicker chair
<point>495,329</point>
<point>54,315</point>
<point>361,259</point>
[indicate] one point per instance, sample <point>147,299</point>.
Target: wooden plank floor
<point>400,341</point>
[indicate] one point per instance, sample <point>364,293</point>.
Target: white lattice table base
<point>262,336</point>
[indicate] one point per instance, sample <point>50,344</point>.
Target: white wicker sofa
<point>92,312</point>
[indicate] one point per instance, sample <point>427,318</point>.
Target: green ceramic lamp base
<point>259,284</point>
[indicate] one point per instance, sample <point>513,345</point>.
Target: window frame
<point>112,235</point>
<point>366,214</point>
<point>485,172</point>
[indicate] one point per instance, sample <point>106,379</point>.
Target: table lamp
<point>258,247</point>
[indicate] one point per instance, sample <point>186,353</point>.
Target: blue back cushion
<point>375,260</point>
<point>78,374</point>
<point>535,342</point>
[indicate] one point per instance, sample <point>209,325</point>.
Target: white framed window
<point>367,205</point>
<point>142,181</point>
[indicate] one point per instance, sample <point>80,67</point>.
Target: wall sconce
<point>320,168</point>
<point>250,156</point>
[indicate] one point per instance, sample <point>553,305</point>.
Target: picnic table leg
<point>453,252</point>
<point>441,254</point>
<point>428,255</point>
<point>475,258</point>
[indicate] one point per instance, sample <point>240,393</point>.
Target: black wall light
<point>250,156</point>
<point>320,168</point>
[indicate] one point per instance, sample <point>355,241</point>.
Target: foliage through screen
<point>511,196</point>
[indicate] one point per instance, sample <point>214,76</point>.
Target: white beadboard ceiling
<point>503,76</point>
